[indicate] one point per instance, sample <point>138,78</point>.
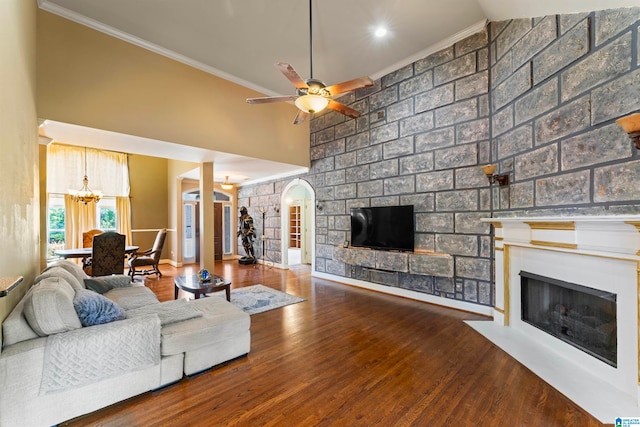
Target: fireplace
<point>578,315</point>
<point>567,306</point>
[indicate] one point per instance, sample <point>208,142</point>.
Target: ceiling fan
<point>312,95</point>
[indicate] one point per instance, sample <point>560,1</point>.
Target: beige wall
<point>149,198</point>
<point>89,78</point>
<point>19,187</point>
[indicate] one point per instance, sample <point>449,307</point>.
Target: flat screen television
<point>384,227</point>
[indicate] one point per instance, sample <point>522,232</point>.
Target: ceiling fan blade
<point>269,99</point>
<point>292,75</point>
<point>300,117</point>
<point>341,108</point>
<point>350,85</point>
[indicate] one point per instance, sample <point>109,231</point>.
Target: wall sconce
<point>500,179</point>
<point>631,125</point>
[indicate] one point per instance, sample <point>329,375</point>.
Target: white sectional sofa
<point>56,363</point>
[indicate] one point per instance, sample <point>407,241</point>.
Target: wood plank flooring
<point>348,357</point>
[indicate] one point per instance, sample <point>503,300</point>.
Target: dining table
<point>86,253</point>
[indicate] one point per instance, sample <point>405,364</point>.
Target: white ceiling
<point>241,40</point>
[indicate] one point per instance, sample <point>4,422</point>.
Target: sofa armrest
<point>117,280</point>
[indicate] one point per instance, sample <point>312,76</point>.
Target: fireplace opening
<point>578,315</point>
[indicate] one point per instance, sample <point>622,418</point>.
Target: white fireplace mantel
<point>599,252</point>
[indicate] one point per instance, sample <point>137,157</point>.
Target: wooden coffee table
<point>192,284</point>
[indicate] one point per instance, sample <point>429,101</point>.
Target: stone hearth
<point>602,253</point>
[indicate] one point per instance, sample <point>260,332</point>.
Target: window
<point>106,212</point>
<point>55,225</point>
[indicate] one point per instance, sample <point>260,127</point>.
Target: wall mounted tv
<point>383,227</point>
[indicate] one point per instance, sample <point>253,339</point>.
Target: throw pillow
<point>97,286</point>
<point>49,309</point>
<point>95,309</point>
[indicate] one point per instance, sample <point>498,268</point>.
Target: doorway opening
<point>298,223</point>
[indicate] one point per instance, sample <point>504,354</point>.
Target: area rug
<point>259,298</point>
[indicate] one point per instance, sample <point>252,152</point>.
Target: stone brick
<point>347,128</point>
<point>616,98</point>
<point>521,195</point>
<point>469,223</point>
<point>434,181</point>
<point>369,155</point>
<point>459,200</point>
<point>484,293</point>
<point>383,98</point>
<point>567,21</point>
<point>434,222</point>
<point>416,163</point>
<point>342,222</point>
<point>400,110</point>
<point>317,152</point>
<point>345,191</point>
<point>562,52</point>
<point>514,142</point>
<point>434,98</point>
<point>457,113</point>
<point>423,241</point>
<point>566,189</point>
<point>335,147</point>
<point>470,289</point>
<point>385,201</point>
<point>473,268</point>
<point>435,139</point>
<point>357,173</point>
<point>603,65</point>
<point>400,185</point>
<point>335,267</point>
<point>611,22</point>
<point>502,121</point>
<point>473,42</point>
<point>384,133</point>
<point>472,177</point>
<point>540,162</point>
<point>502,69</point>
<point>457,244</point>
<point>325,135</point>
<point>564,121</point>
<point>325,193</point>
<point>514,86</point>
<point>598,146</point>
<point>476,130</point>
<point>392,261</point>
<point>346,160</point>
<point>484,108</point>
<point>370,188</point>
<point>496,27</point>
<point>536,102</point>
<point>444,286</point>
<point>397,148</point>
<point>334,207</point>
<point>397,76</point>
<point>516,29</point>
<point>453,70</point>
<point>483,59</point>
<point>617,183</point>
<point>434,60</point>
<point>335,177</point>
<point>456,157</point>
<point>431,264</point>
<point>418,283</point>
<point>418,84</point>
<point>357,141</point>
<point>534,41</point>
<point>386,278</point>
<point>474,85</point>
<point>420,202</point>
<point>322,165</point>
<point>416,124</point>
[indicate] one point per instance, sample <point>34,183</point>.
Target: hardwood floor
<point>349,357</point>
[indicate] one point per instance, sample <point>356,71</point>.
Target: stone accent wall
<point>539,97</point>
<point>557,85</point>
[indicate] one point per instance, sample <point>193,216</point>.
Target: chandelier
<point>85,195</point>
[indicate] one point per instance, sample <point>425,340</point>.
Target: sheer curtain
<point>108,173</point>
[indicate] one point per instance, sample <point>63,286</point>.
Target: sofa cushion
<point>98,286</point>
<point>95,309</point>
<point>59,272</point>
<point>15,327</point>
<point>74,269</point>
<point>220,320</point>
<point>132,296</point>
<point>49,307</point>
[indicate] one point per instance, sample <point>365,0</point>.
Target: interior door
<point>217,231</point>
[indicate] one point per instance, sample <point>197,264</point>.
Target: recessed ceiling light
<point>380,32</point>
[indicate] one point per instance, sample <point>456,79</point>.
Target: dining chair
<point>148,258</point>
<point>108,254</point>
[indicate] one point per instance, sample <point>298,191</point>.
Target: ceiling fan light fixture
<point>312,103</point>
<point>226,185</point>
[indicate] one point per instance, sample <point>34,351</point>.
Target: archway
<point>297,203</point>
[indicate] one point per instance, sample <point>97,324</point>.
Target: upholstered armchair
<point>87,237</point>
<point>108,254</point>
<point>149,258</point>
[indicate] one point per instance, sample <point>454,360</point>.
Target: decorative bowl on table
<point>204,276</point>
